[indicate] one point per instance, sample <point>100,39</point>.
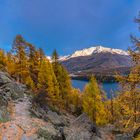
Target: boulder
<point>4,78</point>
<point>38,111</point>
<point>49,133</point>
<point>123,137</point>
<point>9,90</point>
<point>82,129</point>
<point>15,90</point>
<point>83,120</point>
<point>55,118</point>
<point>74,133</point>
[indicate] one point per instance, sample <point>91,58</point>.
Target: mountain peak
<point>94,50</point>
<point>98,49</point>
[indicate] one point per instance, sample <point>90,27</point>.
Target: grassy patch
<point>3,120</point>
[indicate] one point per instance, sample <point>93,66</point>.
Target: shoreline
<point>103,79</point>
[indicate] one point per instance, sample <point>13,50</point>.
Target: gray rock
<point>55,118</point>
<point>94,137</point>
<point>9,90</point>
<point>123,137</point>
<point>16,91</point>
<point>33,137</point>
<point>4,78</point>
<point>49,133</point>
<point>74,133</point>
<point>38,111</point>
<point>83,120</point>
<point>12,90</point>
<point>81,129</point>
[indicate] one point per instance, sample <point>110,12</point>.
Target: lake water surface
<point>107,87</point>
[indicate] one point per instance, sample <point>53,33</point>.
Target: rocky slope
<point>16,122</point>
<point>22,119</point>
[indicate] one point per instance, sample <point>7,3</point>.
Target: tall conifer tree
<point>130,93</point>
<point>47,80</point>
<point>62,77</point>
<point>93,102</point>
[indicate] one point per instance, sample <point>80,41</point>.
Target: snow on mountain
<point>62,58</point>
<point>94,50</point>
<point>49,58</point>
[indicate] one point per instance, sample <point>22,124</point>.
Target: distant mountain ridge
<point>98,61</point>
<point>94,50</point>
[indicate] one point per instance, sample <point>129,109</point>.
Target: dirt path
<point>21,126</point>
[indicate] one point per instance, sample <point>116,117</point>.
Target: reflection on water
<point>109,88</point>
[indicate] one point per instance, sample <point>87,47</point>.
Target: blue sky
<point>68,25</point>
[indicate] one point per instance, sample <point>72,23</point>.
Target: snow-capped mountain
<point>98,61</point>
<point>94,50</point>
<point>63,58</point>
<point>49,58</point>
